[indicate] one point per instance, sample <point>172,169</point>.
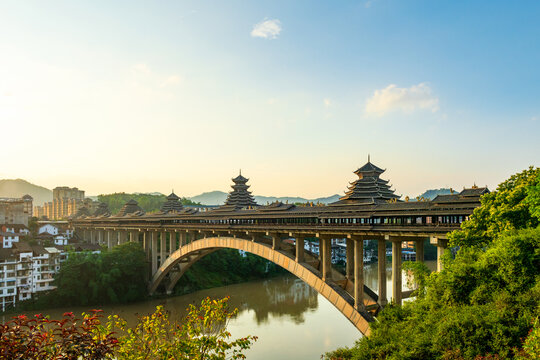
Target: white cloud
<point>407,100</point>
<point>268,29</point>
<point>327,102</point>
<point>171,80</point>
<point>143,68</point>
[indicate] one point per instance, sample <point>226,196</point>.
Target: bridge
<point>177,237</point>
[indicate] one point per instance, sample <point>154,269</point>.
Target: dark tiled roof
<point>369,167</point>
<point>131,207</point>
<point>6,254</point>
<point>368,188</point>
<point>39,250</point>
<point>240,196</point>
<point>172,204</point>
<point>22,246</point>
<point>82,212</point>
<point>475,191</point>
<point>102,210</point>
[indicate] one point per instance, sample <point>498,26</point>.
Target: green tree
<point>514,205</point>
<point>148,202</point>
<point>201,335</point>
<point>116,276</point>
<point>485,301</point>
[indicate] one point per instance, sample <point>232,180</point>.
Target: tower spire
<point>368,156</point>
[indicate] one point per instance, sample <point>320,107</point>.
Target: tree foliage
<point>485,301</point>
<point>148,202</point>
<point>40,338</point>
<point>118,275</point>
<point>514,205</point>
<point>201,335</point>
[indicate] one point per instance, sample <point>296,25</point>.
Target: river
<point>291,319</point>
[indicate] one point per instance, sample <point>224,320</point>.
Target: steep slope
<point>19,187</point>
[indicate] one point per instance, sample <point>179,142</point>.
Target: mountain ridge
<point>16,188</point>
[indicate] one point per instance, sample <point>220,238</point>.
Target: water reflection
<point>287,296</point>
<point>291,319</point>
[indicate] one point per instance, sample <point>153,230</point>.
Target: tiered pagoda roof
<point>102,210</point>
<point>131,207</point>
<point>82,212</point>
<point>240,196</point>
<point>369,188</point>
<point>172,204</point>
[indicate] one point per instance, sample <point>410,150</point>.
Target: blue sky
<point>141,96</point>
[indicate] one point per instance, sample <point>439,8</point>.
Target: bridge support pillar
<point>276,240</point>
<point>358,272</point>
<point>154,250</point>
<point>172,242</point>
<point>396,271</point>
<point>110,239</point>
<point>147,245</point>
<point>326,257</point>
<point>181,239</point>
<point>381,264</point>
<point>163,247</point>
<point>350,260</point>
<point>420,250</point>
<point>441,244</point>
<point>132,236</point>
<point>299,243</point>
<point>122,237</point>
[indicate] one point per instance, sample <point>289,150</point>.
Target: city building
<point>15,210</point>
<point>29,269</point>
<point>66,202</point>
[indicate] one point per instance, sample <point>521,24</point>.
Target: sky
<point>140,96</point>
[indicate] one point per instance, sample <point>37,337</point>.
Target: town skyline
<point>125,97</point>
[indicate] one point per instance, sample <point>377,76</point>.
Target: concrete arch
<point>190,253</point>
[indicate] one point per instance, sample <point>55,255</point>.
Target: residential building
<point>29,269</point>
<point>15,210</point>
<point>66,202</point>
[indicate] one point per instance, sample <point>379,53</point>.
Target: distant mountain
<point>431,194</point>
<point>219,197</point>
<point>16,188</point>
<point>210,198</point>
<point>291,200</point>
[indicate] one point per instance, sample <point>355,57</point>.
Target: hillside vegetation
<point>148,202</point>
<point>486,302</point>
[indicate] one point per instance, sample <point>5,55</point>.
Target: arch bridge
<point>177,236</point>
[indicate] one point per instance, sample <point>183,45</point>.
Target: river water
<point>291,319</point>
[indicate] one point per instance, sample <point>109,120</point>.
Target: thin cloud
<point>267,29</point>
<point>406,100</point>
<point>327,102</point>
<point>143,68</point>
<point>171,80</point>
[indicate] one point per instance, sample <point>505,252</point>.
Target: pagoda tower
<point>369,188</point>
<point>131,207</point>
<point>240,196</point>
<point>102,210</point>
<point>172,204</point>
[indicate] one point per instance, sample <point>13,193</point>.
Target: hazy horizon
<point>132,96</point>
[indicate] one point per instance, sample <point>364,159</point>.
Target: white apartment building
<point>26,270</point>
<point>8,238</point>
